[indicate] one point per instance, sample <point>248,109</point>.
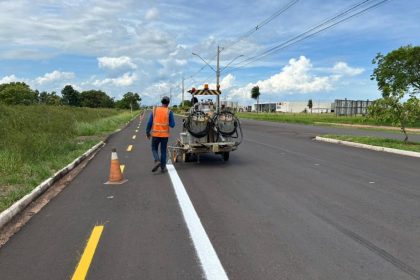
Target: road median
<point>329,139</point>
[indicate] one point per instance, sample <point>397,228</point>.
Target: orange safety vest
<point>160,126</point>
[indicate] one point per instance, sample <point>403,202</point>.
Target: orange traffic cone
<point>115,174</point>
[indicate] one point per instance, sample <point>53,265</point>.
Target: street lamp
<point>231,62</point>
<point>205,62</point>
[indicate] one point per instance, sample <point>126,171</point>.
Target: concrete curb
<point>369,147</point>
<point>393,128</point>
<point>21,204</point>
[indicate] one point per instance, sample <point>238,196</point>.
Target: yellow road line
<point>122,166</point>
<point>83,266</point>
<point>129,148</point>
<point>134,137</point>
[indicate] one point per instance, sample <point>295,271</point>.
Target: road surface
<point>283,207</point>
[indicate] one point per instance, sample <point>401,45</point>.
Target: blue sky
<point>146,46</point>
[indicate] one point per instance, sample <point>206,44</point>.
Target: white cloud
<point>8,79</point>
<point>341,68</point>
<point>125,80</point>
<point>298,77</point>
<point>152,14</point>
<point>116,62</point>
<point>54,76</point>
<point>181,62</point>
<point>226,83</point>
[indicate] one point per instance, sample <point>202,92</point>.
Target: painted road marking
<point>210,263</point>
<point>122,166</point>
<point>137,130</point>
<point>134,137</point>
<point>83,266</point>
<point>129,148</point>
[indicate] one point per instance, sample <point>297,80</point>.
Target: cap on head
<point>165,100</point>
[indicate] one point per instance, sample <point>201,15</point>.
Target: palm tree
<point>310,104</point>
<point>255,94</point>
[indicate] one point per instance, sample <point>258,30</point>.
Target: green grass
<point>377,141</point>
<point>312,118</point>
<point>37,141</point>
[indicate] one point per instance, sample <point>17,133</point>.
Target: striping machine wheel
<point>225,156</point>
<point>186,157</point>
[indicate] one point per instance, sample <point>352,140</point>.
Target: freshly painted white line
<point>210,263</point>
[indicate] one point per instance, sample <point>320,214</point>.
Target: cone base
<point>116,183</point>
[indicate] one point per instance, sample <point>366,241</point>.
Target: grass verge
<point>313,118</point>
<point>377,141</point>
<point>37,141</point>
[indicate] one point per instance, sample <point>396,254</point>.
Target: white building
<point>295,107</point>
<point>229,104</point>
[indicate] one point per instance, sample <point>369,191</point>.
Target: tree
<point>187,103</point>
<point>255,94</point>
<point>17,93</point>
<point>310,104</point>
<point>95,99</point>
<point>49,98</point>
<point>53,99</point>
<point>397,74</point>
<point>70,96</point>
<point>130,100</point>
<point>42,97</point>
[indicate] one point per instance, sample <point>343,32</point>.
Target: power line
<point>263,23</point>
<point>253,30</point>
<point>327,24</point>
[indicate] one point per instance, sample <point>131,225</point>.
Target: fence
<point>351,107</point>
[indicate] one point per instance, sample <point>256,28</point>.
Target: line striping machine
<point>207,129</point>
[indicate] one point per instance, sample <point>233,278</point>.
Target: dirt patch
<point>20,220</point>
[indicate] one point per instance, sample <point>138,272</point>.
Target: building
<point>295,107</point>
<point>351,107</point>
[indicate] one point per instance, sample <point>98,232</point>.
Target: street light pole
<point>182,103</point>
<point>218,78</point>
<point>217,70</point>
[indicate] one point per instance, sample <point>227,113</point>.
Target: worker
<point>157,129</point>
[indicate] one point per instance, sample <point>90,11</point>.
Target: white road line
<point>210,263</point>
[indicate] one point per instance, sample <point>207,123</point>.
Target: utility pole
<point>218,78</point>
<point>182,103</point>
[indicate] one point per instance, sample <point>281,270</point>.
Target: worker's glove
<point>148,136</point>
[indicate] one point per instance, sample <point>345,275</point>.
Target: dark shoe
<point>157,165</point>
<point>163,170</point>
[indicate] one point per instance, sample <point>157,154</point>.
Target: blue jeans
<point>163,141</point>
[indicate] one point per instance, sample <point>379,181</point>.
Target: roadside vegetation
<point>38,140</point>
<point>19,93</point>
<point>306,118</point>
<point>397,76</point>
<point>377,141</point>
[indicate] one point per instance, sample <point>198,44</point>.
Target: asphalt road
<point>283,207</point>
